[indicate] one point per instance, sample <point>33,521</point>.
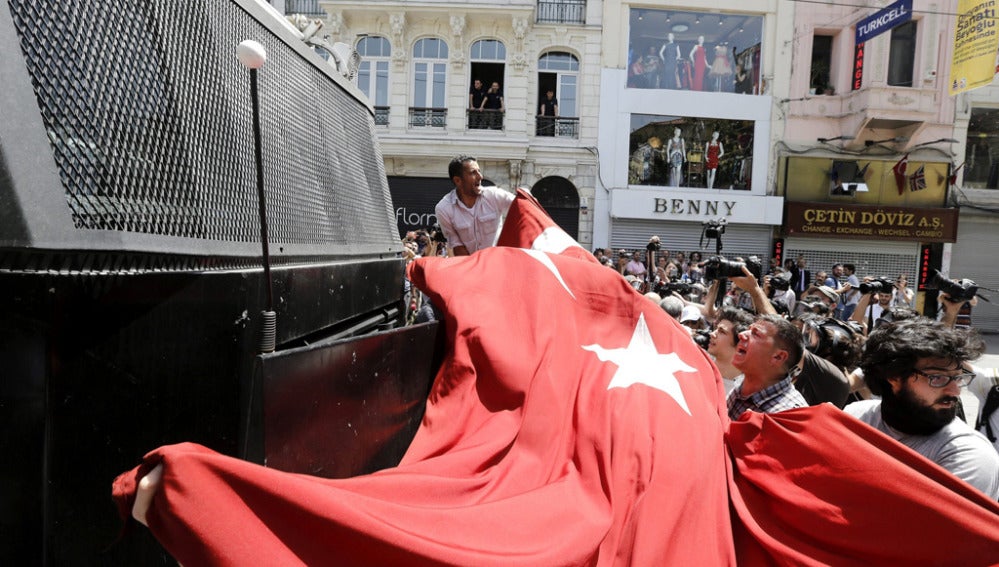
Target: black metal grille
<point>148,114</point>
<point>562,11</point>
<point>427,117</point>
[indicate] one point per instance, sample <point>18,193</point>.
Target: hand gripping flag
<point>899,170</point>
<point>572,423</point>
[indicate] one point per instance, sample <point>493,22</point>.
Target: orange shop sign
<point>871,222</point>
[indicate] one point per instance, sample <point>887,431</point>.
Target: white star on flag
<point>641,363</point>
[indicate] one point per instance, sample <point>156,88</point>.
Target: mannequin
<point>670,54</point>
<point>700,60</point>
<point>676,152</point>
<point>714,150</point>
<point>721,69</point>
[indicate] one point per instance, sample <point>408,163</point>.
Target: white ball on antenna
<point>251,54</point>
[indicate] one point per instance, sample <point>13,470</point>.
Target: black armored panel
<point>131,279</point>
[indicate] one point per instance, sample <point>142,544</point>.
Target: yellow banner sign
<point>976,43</point>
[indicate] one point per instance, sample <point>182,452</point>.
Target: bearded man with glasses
<point>918,367</point>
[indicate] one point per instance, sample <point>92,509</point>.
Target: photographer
<point>778,288</point>
<point>874,303</point>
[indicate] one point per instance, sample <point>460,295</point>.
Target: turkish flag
<point>816,486</point>
<point>572,423</point>
<point>899,170</point>
<point>529,226</point>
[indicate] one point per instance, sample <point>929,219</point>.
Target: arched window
<point>488,57</point>
<point>373,74</point>
<point>559,72</point>
<point>429,83</point>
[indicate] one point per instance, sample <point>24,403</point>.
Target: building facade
<point>419,65</point>
<point>685,131</point>
<point>869,142</point>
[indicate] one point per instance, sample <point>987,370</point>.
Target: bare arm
<point>748,283</point>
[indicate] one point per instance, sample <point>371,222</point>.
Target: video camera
<point>832,340</point>
<point>653,245</point>
<point>437,234</point>
<point>717,267</point>
<point>666,288</point>
<point>780,282</point>
<point>877,285</point>
<point>702,338</point>
<point>959,291</point>
<point>713,229</point>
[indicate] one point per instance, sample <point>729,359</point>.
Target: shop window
<point>696,51</point>
<point>429,84</point>
<point>902,55</point>
<point>981,162</point>
<point>821,79</point>
<point>373,74</point>
<point>679,151</point>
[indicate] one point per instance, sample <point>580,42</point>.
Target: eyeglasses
<point>941,380</point>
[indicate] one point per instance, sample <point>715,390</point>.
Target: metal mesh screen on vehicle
<point>148,114</point>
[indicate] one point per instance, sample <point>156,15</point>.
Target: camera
<point>959,290</point>
<point>877,285</point>
<point>780,282</point>
<point>717,267</point>
<point>713,229</point>
<point>653,244</point>
<point>702,338</point>
<point>666,288</point>
<point>437,234</point>
<point>832,340</point>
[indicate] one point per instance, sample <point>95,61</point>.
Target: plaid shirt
<point>772,399</point>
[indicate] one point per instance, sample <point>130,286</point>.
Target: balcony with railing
<point>304,7</point>
<point>420,117</point>
<point>381,116</point>
<point>561,11</point>
<point>486,119</point>
<point>557,127</point>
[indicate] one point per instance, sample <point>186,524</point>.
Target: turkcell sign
<point>890,16</point>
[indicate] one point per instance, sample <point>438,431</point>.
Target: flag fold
<point>573,422</point>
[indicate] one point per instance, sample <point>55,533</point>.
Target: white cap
<point>690,313</point>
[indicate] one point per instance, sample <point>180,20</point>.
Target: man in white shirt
<point>471,215</point>
<point>918,367</point>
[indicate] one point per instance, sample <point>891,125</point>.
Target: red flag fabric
<point>572,423</point>
<point>815,486</point>
<point>899,170</point>
<point>527,225</point>
<point>952,179</point>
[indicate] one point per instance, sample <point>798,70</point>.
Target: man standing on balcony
<point>476,98</point>
<point>494,106</point>
<point>547,113</point>
<point>471,215</point>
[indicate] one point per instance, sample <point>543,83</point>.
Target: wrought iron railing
<point>427,117</point>
<point>561,11</point>
<point>557,127</point>
<point>488,119</point>
<point>381,115</point>
<point>304,7</point>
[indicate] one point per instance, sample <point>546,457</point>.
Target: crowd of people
<point>785,338</point>
<point>788,340</point>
